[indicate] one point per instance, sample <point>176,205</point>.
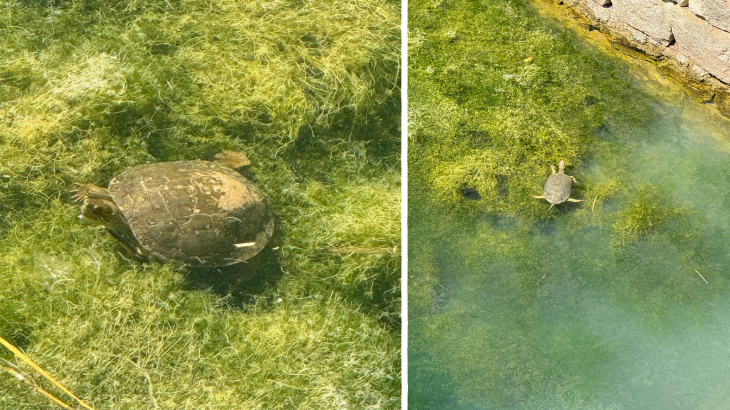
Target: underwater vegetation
<point>643,215</point>
<point>596,305</point>
<point>310,92</point>
<point>494,105</point>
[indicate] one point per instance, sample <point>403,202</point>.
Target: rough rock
<point>693,34</point>
<point>715,12</point>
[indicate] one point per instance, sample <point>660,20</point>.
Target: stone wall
<point>689,38</point>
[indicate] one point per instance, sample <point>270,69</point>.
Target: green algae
<point>423,282</point>
<point>310,92</point>
<point>590,305</point>
<point>644,214</point>
<point>495,121</point>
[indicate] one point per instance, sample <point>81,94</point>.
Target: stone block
<point>715,12</point>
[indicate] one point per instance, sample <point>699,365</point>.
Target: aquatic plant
<point>310,92</point>
<point>493,107</point>
<point>559,309</point>
<point>423,282</point>
<point>644,214</point>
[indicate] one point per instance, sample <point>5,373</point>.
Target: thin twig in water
<point>600,194</point>
<point>703,278</point>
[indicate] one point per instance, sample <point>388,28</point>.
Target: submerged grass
<point>494,106</point>
<point>310,92</point>
<point>512,306</point>
<point>643,215</point>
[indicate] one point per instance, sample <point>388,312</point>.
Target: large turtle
<point>557,187</point>
<point>200,213</point>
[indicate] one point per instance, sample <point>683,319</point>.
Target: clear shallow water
<point>558,315</point>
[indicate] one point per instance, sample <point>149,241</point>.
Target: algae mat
<point>309,90</point>
<point>597,305</point>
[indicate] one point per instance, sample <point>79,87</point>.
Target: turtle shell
<point>557,188</point>
<point>196,212</point>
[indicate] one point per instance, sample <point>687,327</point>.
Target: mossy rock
<point>697,90</point>
<point>722,100</point>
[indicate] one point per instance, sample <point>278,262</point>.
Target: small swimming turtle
<point>557,187</point>
<point>200,213</point>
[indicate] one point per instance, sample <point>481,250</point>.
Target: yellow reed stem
<point>20,355</point>
<point>37,388</point>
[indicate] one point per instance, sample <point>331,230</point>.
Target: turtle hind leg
<point>574,200</point>
<point>539,197</point>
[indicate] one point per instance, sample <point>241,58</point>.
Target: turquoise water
<point>567,314</point>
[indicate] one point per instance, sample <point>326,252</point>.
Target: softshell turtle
<point>557,187</point>
<point>200,213</point>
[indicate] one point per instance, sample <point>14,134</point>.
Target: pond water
<point>580,310</point>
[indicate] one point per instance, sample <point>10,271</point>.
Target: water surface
<point>567,312</point>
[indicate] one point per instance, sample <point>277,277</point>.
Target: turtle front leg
<point>539,197</point>
<point>574,200</point>
<point>575,181</point>
<point>552,167</point>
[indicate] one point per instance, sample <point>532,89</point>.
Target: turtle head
<point>561,167</point>
<point>96,204</point>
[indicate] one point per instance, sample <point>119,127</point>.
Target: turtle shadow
<point>240,283</point>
